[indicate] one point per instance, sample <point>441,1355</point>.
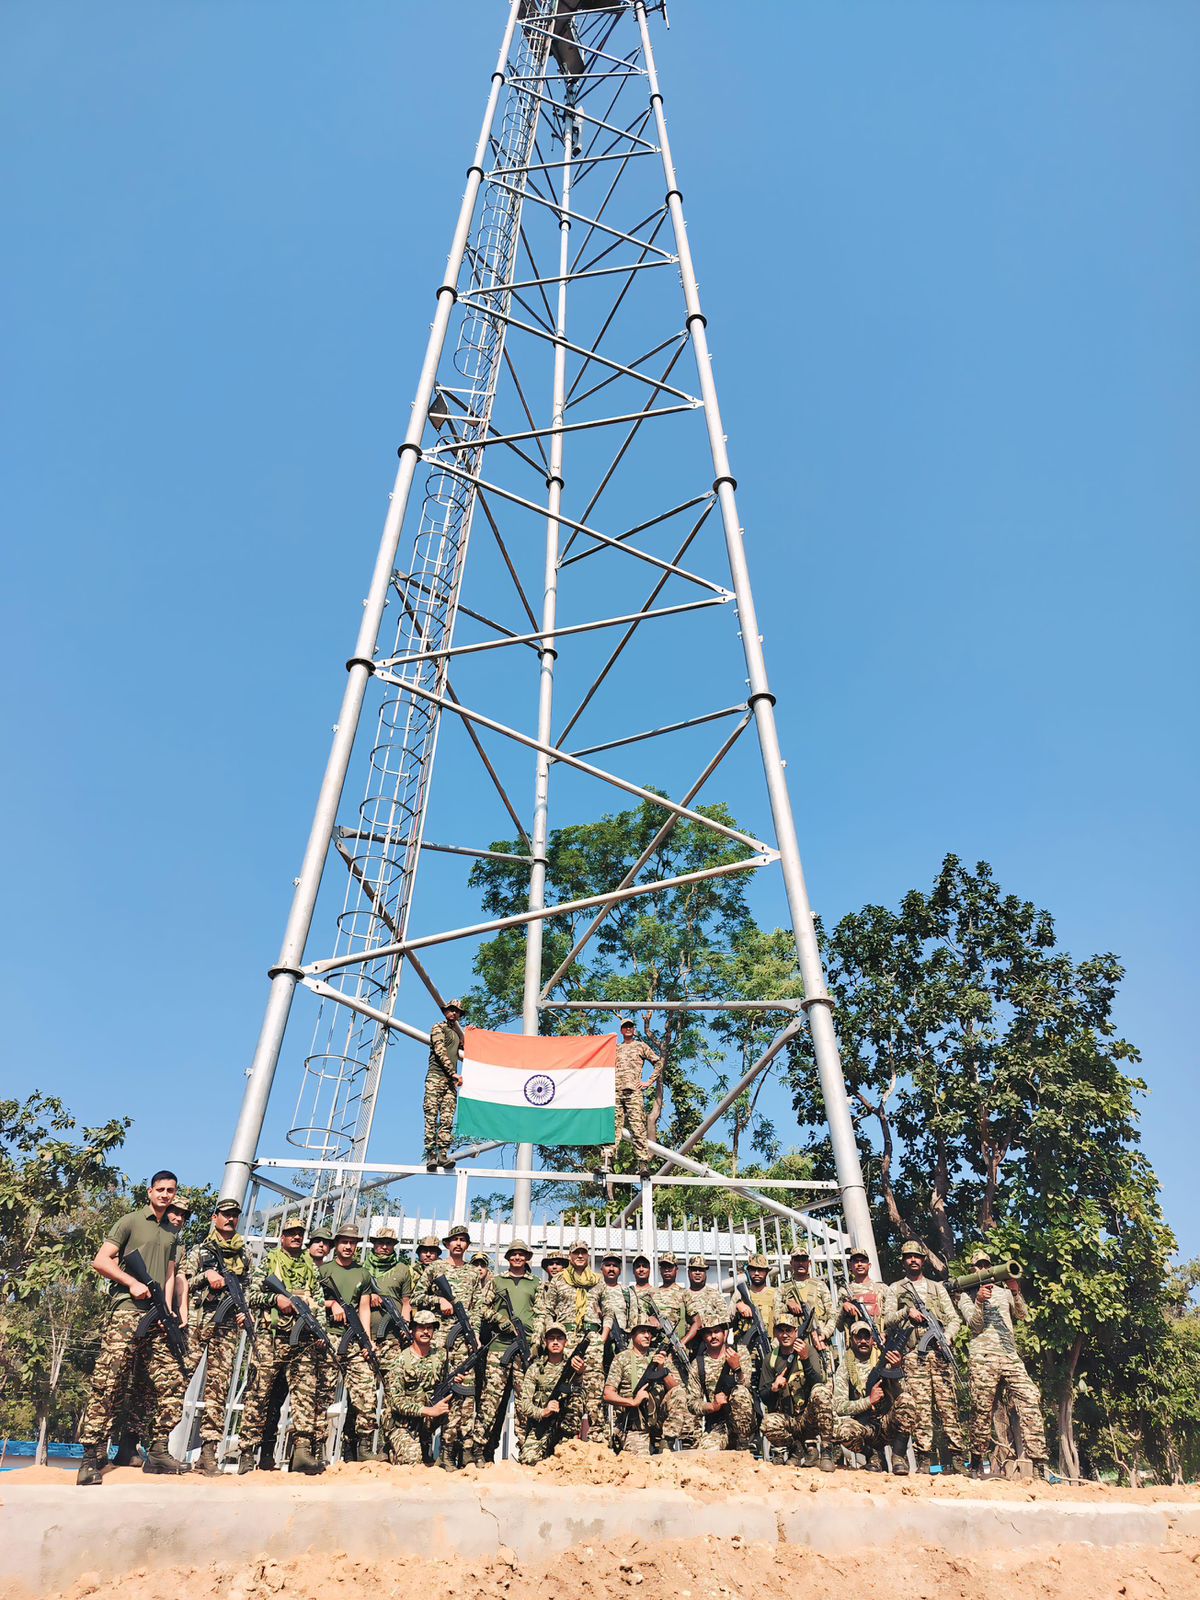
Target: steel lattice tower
<point>556,441</point>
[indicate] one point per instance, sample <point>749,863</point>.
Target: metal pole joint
<point>408,445</point>
<point>762,694</point>
<point>295,973</point>
<point>360,661</point>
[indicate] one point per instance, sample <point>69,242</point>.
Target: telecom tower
<point>562,533</point>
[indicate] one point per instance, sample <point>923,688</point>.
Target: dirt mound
<point>687,1569</point>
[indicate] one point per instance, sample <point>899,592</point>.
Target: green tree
<point>697,942</point>
<point>985,1061</point>
<point>53,1186</point>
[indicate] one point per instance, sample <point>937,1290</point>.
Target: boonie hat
<point>424,1319</point>
<point>517,1246</point>
<point>348,1230</point>
<point>758,1260</point>
<point>384,1236</point>
<point>555,1254</point>
<point>453,1005</point>
<point>458,1231</point>
<point>430,1242</point>
<point>800,1253</point>
<point>714,1327</point>
<point>292,1225</point>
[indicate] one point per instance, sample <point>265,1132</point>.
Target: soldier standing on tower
<point>443,1080</point>
<point>631,1102</point>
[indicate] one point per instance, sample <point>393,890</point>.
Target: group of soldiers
<point>428,1355</point>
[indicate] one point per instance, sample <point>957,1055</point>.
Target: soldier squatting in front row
<point>429,1356</point>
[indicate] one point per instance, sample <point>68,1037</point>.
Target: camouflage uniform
<point>411,1381</point>
<point>851,1421</point>
<point>682,1420</point>
<point>579,1321</point>
<point>993,1358</point>
<point>794,1297</point>
<point>220,1341</point>
<point>556,1302</point>
<point>446,1039</point>
<point>476,1297</point>
<point>787,1415</point>
<point>928,1380</point>
<point>647,1422</point>
<point>734,1424</point>
<point>631,1097</point>
<point>709,1304</point>
<point>874,1295</point>
<point>503,1366</point>
<point>543,1434</point>
<point>743,1327</point>
<point>300,1362</point>
<point>128,1361</point>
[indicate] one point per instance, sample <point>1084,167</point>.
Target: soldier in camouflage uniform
<point>703,1303</point>
<point>429,1250</point>
<point>300,1362</point>
<point>579,1280</point>
<point>928,1379</point>
<point>993,1359</point>
<point>800,1291</point>
<point>555,1300</point>
<point>859,1417</point>
<point>646,1417</point>
<point>345,1276</point>
<point>871,1293</point>
<point>443,1080</point>
<point>215,1325</point>
<point>631,1094</point>
<point>786,1422</point>
<point>546,1421</point>
<point>392,1278</point>
<point>516,1291</point>
<point>320,1246</point>
<point>477,1300</point>
<point>124,1346</point>
<point>741,1318</point>
<point>613,1307</point>
<point>410,1415</point>
<point>663,1308</point>
<point>725,1402</point>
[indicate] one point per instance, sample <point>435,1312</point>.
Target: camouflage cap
<point>980,1257</point>
<point>759,1260</point>
<point>855,1327</point>
<point>480,1258</point>
<point>518,1246</point>
<point>348,1230</point>
<point>914,1247</point>
<point>320,1236</point>
<point>627,1022</point>
<point>785,1320</point>
<point>714,1327</point>
<point>453,1005</point>
<point>643,1324</point>
<point>576,1245</point>
<point>610,1255</point>
<point>227,1208</point>
<point>555,1253</point>
<point>181,1206</point>
<point>640,1257</point>
<point>800,1253</point>
<point>384,1236</point>
<point>424,1319</point>
<point>857,1255</point>
<point>698,1262</point>
<point>554,1327</point>
<point>458,1231</point>
<point>667,1258</point>
<point>430,1242</point>
<point>292,1225</point>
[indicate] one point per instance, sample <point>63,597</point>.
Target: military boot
<point>366,1451</point>
<point>900,1456</point>
<point>924,1463</point>
<point>876,1461</point>
<point>779,1455</point>
<point>246,1462</point>
<point>811,1456</point>
<point>956,1463</point>
<point>304,1457</point>
<point>127,1450</point>
<point>89,1467</point>
<point>826,1462</point>
<point>975,1467</point>
<point>446,1461</point>
<point>159,1459</point>
<point>208,1464</point>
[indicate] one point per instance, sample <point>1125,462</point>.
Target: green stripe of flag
<point>482,1119</point>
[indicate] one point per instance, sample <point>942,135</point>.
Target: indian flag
<point>537,1091</point>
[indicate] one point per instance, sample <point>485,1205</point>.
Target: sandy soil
<point>702,1476</point>
<point>692,1569</point>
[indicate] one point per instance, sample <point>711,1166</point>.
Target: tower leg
<point>817,1004</point>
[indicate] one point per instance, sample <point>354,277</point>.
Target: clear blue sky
<point>948,254</point>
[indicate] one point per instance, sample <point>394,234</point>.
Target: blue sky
<point>948,257</point>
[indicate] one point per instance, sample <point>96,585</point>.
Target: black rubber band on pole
<point>726,478</point>
<point>817,1000</point>
<point>446,288</point>
<point>409,445</point>
<point>291,972</point>
<point>361,661</point>
<point>561,482</point>
<point>763,694</point>
<point>676,193</point>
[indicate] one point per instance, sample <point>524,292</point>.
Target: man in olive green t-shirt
<point>124,1345</point>
<point>345,1273</point>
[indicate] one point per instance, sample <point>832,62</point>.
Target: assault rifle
<point>392,1320</point>
<point>355,1332</point>
<point>304,1320</point>
<point>890,1377</point>
<point>567,1379</point>
<point>673,1342</point>
<point>725,1385</point>
<point>520,1343</point>
<point>771,1369</point>
<point>655,1374</point>
<point>160,1312</point>
<point>234,1302</point>
<point>934,1337</point>
<point>443,1390</point>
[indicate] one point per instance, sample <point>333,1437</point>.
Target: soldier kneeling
<point>550,1402</point>
<point>865,1415</point>
<point>412,1414</point>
